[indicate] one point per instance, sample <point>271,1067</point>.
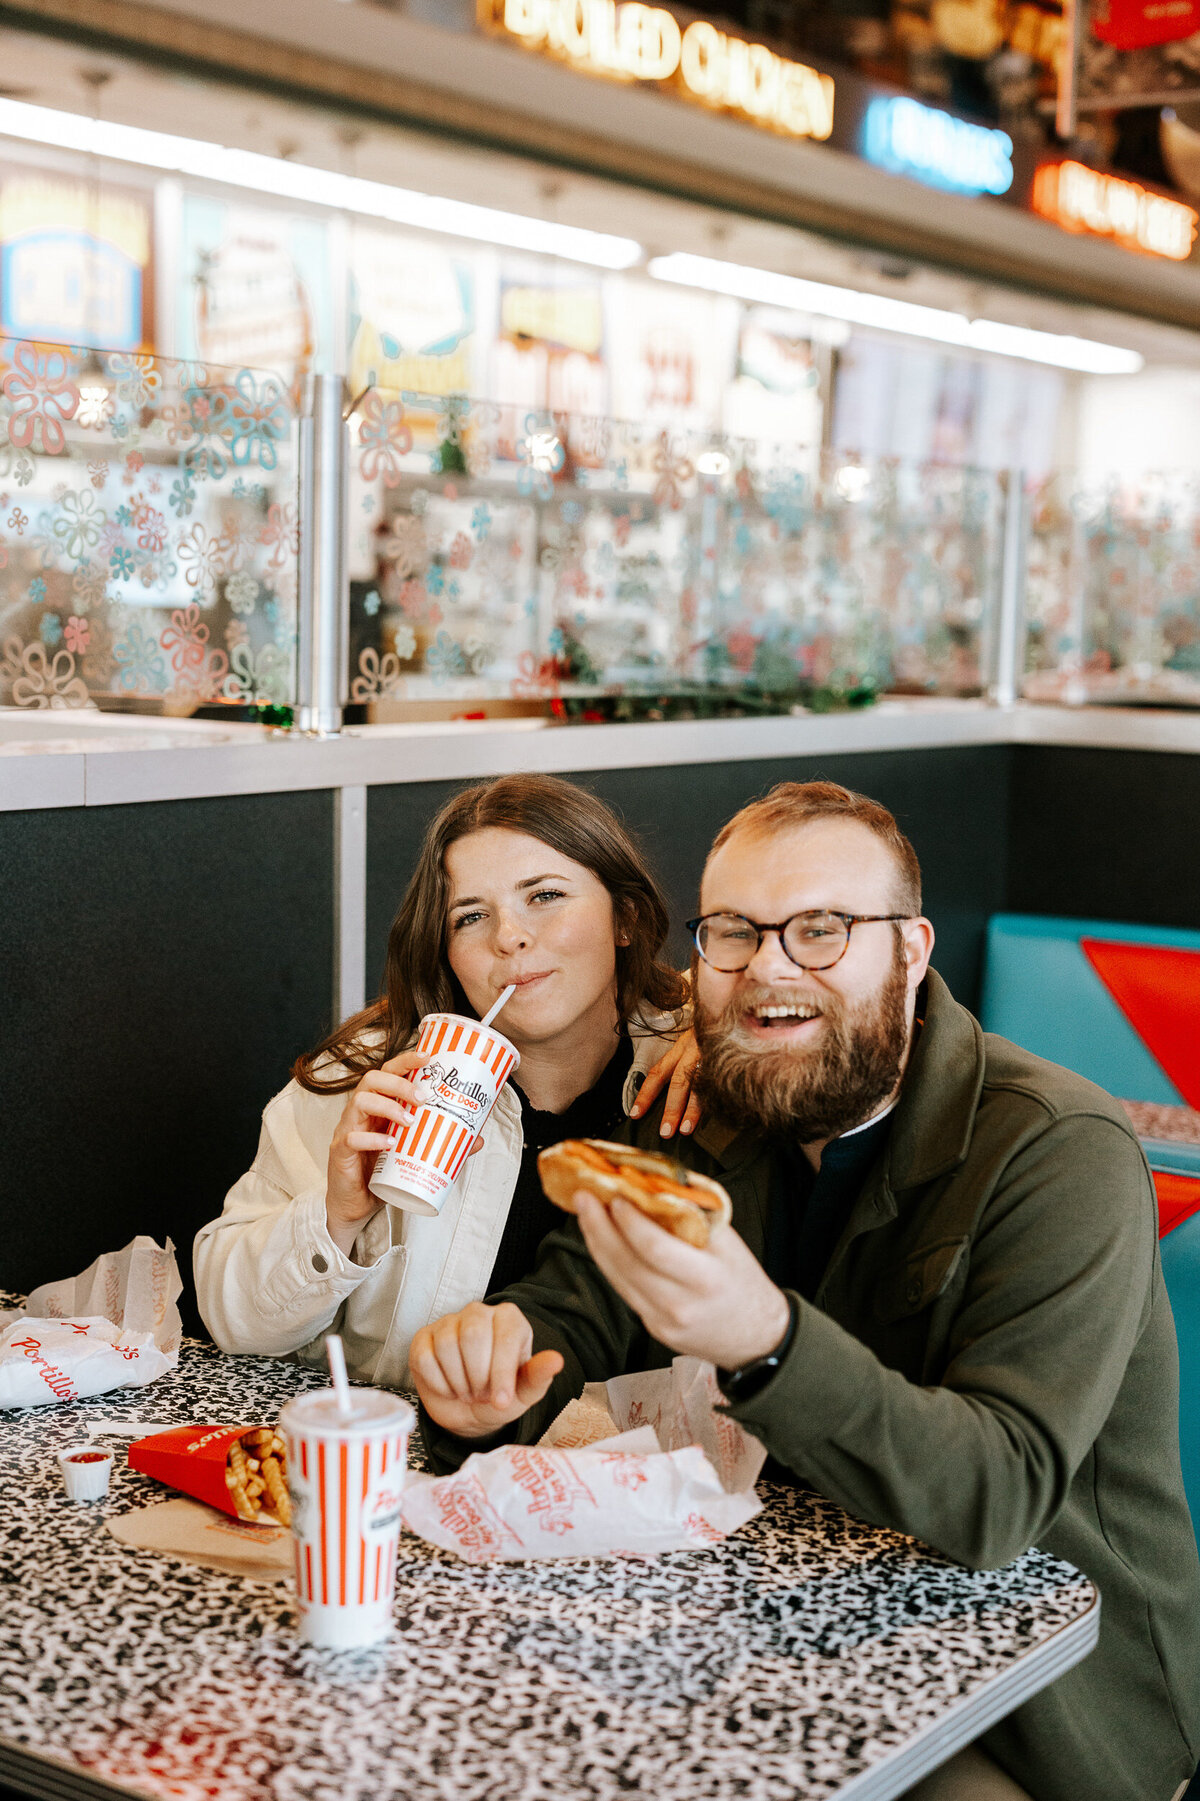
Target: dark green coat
<point>989,1364</point>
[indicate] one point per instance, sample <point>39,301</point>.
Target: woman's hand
<point>682,1107</point>
<point>383,1094</point>
<point>475,1371</point>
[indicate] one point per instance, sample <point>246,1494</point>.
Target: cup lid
<point>372,1410</point>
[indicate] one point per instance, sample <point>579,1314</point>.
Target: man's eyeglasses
<point>816,940</point>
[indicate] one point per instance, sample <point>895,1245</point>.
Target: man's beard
<point>809,1094</point>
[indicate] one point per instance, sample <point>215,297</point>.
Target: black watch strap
<point>744,1383</point>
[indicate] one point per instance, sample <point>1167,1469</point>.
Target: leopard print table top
<point>806,1653</point>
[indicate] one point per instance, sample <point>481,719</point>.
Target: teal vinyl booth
<point>1042,991</point>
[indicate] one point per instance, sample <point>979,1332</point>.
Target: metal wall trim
<point>349,901</point>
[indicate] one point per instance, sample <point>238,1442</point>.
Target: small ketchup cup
<point>85,1472</point>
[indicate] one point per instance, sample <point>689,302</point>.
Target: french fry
<point>277,1490</point>
<point>243,1505</point>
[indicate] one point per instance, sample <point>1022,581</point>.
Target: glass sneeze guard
<point>1112,599</point>
<point>509,560</point>
<point>148,533</point>
<point>597,569</point>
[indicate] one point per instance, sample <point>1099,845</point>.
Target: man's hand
<point>717,1303</point>
<point>474,1370</point>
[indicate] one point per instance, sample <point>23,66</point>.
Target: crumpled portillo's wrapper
<point>240,1469</point>
<point>681,1479</point>
<point>114,1326</point>
<point>621,1497</point>
<point>684,1405</point>
<point>48,1361</point>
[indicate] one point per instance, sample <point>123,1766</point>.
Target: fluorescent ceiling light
<point>300,181</point>
<point>885,314</point>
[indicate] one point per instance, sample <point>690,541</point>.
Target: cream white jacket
<point>271,1282</point>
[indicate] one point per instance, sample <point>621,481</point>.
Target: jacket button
<point>915,1290</point>
<point>319,1263</point>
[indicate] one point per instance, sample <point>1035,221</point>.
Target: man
<point>940,1301</point>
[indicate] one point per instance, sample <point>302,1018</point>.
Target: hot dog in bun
<point>679,1200</point>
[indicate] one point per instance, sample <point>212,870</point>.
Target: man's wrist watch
<point>744,1383</point>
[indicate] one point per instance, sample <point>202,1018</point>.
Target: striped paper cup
<point>345,1478</point>
<point>466,1066</point>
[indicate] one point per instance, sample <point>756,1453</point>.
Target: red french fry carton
<point>195,1460</point>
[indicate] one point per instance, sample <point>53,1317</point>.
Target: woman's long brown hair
<point>417,977</point>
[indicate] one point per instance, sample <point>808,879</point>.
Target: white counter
<point>90,759</point>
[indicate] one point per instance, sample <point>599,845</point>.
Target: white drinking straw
<point>495,1007</point>
<point>337,1369</point>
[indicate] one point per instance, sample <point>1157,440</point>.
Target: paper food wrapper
<point>197,1534</point>
<point>680,1403</point>
<point>635,1467</point>
<point>115,1326</point>
<point>195,1460</point>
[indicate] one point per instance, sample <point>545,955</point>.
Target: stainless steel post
<point>323,636</point>
<point>1010,624</point>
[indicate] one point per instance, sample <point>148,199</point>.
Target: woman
<point>526,880</point>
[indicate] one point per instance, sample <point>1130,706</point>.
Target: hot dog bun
<point>684,1203</point>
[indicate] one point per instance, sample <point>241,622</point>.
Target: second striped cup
<point>346,1475</point>
<point>466,1066</point>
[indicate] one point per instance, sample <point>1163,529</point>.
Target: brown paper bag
<point>198,1534</point>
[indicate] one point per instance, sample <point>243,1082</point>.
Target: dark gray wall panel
<point>161,966</point>
<point>952,803</point>
<point>1105,834</point>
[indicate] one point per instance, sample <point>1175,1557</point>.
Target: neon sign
<point>1082,199</point>
<point>933,147</point>
<point>630,42</point>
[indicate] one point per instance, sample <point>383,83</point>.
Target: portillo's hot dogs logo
<point>438,1084</point>
<point>630,42</point>
<point>553,1485</point>
<point>466,1513</point>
